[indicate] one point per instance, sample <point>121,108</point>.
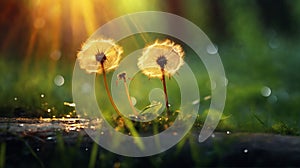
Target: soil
<point>21,135</point>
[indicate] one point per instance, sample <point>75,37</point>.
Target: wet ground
<point>63,143</point>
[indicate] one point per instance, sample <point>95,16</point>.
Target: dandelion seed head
<point>100,57</point>
<point>161,55</point>
<point>95,53</point>
<point>122,76</point>
<point>161,61</point>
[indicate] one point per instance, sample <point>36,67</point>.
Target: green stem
<point>165,90</point>
<point>108,92</point>
<point>129,99</point>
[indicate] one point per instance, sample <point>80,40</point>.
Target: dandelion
<point>161,59</point>
<point>122,76</point>
<point>100,56</point>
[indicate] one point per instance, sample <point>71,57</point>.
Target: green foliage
<point>254,53</point>
<point>284,129</point>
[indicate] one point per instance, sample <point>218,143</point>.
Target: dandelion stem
<point>108,92</point>
<point>129,99</point>
<point>165,90</point>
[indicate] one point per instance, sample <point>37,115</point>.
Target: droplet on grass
<point>49,138</point>
<point>265,91</point>
<point>272,99</point>
<point>133,100</point>
<point>197,101</point>
<point>59,80</point>
<point>55,55</point>
<point>212,49</point>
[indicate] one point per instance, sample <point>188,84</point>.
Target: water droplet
<point>37,149</point>
<point>133,100</point>
<point>265,91</point>
<point>283,95</point>
<point>245,150</point>
<point>48,110</point>
<point>101,132</point>
<point>227,132</point>
<point>15,98</point>
<point>69,104</point>
<point>225,81</point>
<point>196,102</point>
<point>213,135</point>
<point>59,80</point>
<point>272,99</point>
<point>21,125</point>
<point>42,95</point>
<point>212,49</point>
<point>86,149</point>
<point>207,97</point>
<point>55,55</point>
<point>274,43</point>
<point>68,116</point>
<point>50,138</point>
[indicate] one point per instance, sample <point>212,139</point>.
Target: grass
<point>246,109</point>
<point>31,92</point>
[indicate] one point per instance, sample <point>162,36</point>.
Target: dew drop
<point>48,110</point>
<point>37,149</point>
<point>225,81</point>
<point>86,149</point>
<point>283,95</point>
<point>213,135</point>
<point>55,55</point>
<point>59,80</point>
<point>42,95</point>
<point>274,43</point>
<point>265,91</point>
<point>49,138</point>
<point>272,99</point>
<point>133,100</point>
<point>227,132</point>
<point>195,102</point>
<point>212,49</point>
<point>207,97</point>
<point>15,98</point>
<point>245,150</point>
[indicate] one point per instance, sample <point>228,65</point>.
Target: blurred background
<point>258,41</point>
